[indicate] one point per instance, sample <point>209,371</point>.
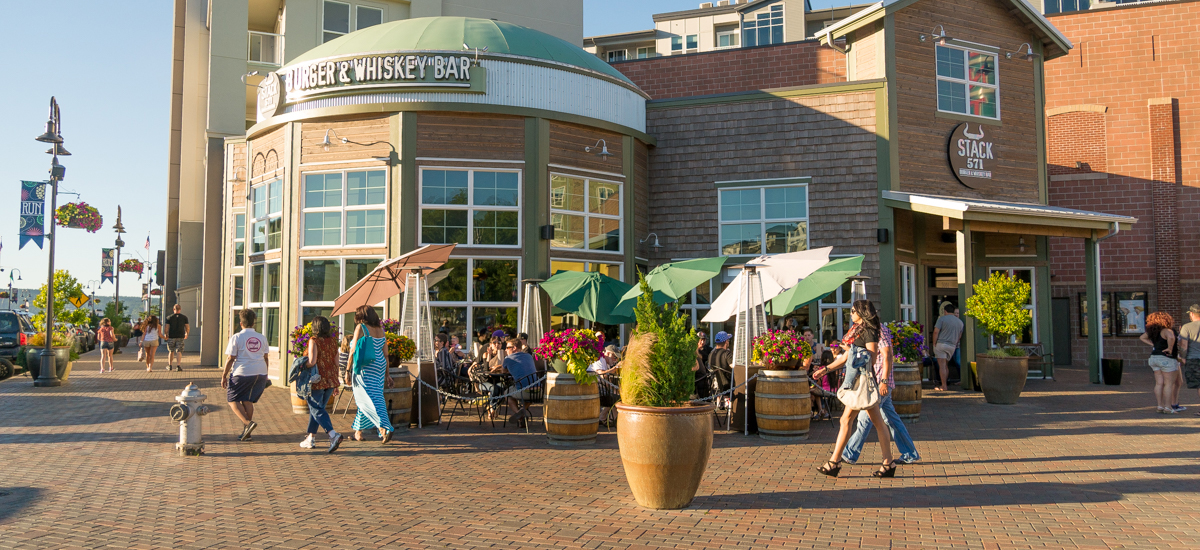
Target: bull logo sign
<point>972,156</point>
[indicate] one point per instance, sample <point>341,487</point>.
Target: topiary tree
<point>65,286</point>
<point>665,378</point>
<point>999,305</point>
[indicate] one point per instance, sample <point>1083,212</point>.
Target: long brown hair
<point>366,315</point>
<point>1157,322</point>
<point>151,323</point>
<point>866,312</point>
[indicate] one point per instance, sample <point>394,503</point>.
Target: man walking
<point>1189,351</point>
<point>245,375</point>
<point>178,330</point>
<point>946,333</point>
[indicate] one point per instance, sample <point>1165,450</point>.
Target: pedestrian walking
<point>136,335</point>
<point>1189,349</point>
<point>150,341</point>
<point>946,334</point>
<point>245,374</point>
<point>323,356</point>
<point>899,433</point>
<point>862,346</point>
<point>178,331</point>
<point>368,371</point>
<point>108,342</point>
<point>1160,336</point>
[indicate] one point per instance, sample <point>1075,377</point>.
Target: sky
<point>109,66</point>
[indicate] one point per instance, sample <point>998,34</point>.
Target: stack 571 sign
<point>971,155</point>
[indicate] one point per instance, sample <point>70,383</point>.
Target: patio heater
<point>858,288</point>
<point>532,322</point>
<point>751,322</point>
<point>416,322</point>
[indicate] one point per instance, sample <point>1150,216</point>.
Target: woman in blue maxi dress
<point>371,376</point>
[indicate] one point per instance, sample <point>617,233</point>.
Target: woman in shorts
<point>1160,336</point>
<point>150,341</point>
<point>107,338</point>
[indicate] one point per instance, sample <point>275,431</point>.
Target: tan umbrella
<point>387,279</point>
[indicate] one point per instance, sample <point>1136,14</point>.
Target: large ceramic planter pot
<point>906,398</point>
<point>782,405</point>
<point>1002,378</point>
<point>572,410</point>
<point>122,341</point>
<point>665,452</point>
<point>62,362</point>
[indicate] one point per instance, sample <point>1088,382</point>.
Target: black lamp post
<point>49,374</point>
<point>12,298</point>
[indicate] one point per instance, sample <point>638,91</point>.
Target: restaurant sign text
<point>972,156</point>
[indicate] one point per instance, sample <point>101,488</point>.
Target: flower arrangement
<point>400,347</point>
<point>300,336</point>
<point>908,341</point>
<point>390,326</point>
<point>79,215</point>
<point>579,348</point>
<point>4,294</point>
<point>132,265</point>
<point>780,349</point>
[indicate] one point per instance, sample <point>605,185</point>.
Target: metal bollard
<point>187,412</point>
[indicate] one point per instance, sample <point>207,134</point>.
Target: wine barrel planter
<point>399,399</point>
<point>782,405</point>
<point>906,398</point>
<point>572,410</point>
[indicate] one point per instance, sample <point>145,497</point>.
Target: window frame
<point>342,286</point>
<point>762,220</point>
<point>587,268</point>
<point>908,292</point>
<point>470,303</point>
<point>239,258</point>
<point>261,307</point>
<point>676,44</point>
<point>351,18</point>
<point>470,207</point>
<point>965,49</point>
<point>841,308</point>
<point>687,40</point>
<point>587,215</point>
<point>752,26</point>
<point>647,52</point>
<point>624,55</point>
<point>344,209</point>
<point>252,221</point>
<point>734,33</point>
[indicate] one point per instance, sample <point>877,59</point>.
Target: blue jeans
<point>908,450</point>
<point>316,411</point>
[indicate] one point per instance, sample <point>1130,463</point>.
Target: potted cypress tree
<point>999,306</point>
<point>665,439</point>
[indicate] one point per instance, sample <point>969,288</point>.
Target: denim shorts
<point>108,345</point>
<point>1163,363</point>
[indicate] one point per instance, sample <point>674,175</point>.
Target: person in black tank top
<point>1160,336</point>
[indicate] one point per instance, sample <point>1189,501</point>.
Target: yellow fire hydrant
<point>187,412</point>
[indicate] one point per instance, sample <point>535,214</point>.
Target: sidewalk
<point>92,464</point>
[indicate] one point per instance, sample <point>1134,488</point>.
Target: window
<point>676,44</point>
<point>616,55</point>
<point>908,292</point>
<point>1060,6</point>
<point>323,280</point>
<point>571,320</point>
<point>966,82</point>
<point>470,207</point>
<point>239,240</point>
<point>264,299</point>
<point>358,206</point>
<point>764,220</point>
<point>766,28</point>
<point>727,39</point>
<point>586,213</point>
<point>237,291</point>
<point>267,230</point>
<point>647,52</point>
<point>693,41</point>
<point>1029,335</point>
<point>335,19</point>
<point>835,313</point>
<point>478,293</point>
<point>367,17</point>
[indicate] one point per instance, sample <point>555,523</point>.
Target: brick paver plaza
<point>92,464</point>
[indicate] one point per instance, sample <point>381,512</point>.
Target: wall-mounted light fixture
<point>477,50</point>
<point>235,178</point>
<point>938,33</point>
<point>1029,55</point>
<point>1021,244</point>
<point>326,144</point>
<point>603,152</point>
<point>655,245</point>
<point>248,75</point>
<point>881,235</point>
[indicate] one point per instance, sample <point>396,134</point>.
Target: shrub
<point>999,306</point>
<point>658,364</point>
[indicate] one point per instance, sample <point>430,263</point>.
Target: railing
<point>265,48</point>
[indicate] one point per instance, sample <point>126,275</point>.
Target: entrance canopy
<point>1009,217</point>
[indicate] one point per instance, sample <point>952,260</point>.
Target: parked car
<point>86,337</point>
<point>15,332</point>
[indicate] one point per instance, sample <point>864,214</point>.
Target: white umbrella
<point>778,272</point>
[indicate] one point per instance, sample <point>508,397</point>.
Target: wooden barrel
<point>300,406</point>
<point>572,410</point>
<point>906,398</point>
<point>782,405</point>
<point>399,399</point>
<point>427,399</point>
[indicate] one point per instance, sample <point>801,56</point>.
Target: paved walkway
<point>91,464</point>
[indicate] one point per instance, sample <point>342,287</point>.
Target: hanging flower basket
<point>132,265</point>
<point>780,350</point>
<point>79,215</point>
<point>4,294</point>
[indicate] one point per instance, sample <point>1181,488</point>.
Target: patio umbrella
<point>819,283</point>
<point>777,272</point>
<point>387,279</point>
<point>670,281</point>
<point>590,295</point>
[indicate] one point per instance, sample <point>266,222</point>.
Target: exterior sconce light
<point>235,178</point>
<point>1021,245</point>
<point>655,245</point>
<point>326,144</point>
<point>938,32</point>
<point>1029,55</point>
<point>603,152</point>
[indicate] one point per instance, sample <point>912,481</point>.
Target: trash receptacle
<point>1110,371</point>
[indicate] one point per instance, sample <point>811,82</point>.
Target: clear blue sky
<point>109,64</point>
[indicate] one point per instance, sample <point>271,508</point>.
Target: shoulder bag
<point>862,392</point>
<point>363,354</point>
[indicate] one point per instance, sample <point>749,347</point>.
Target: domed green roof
<point>450,33</point>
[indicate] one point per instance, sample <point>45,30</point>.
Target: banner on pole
<point>33,213</point>
<point>108,260</point>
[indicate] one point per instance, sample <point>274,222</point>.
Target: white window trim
<point>588,215</point>
<point>470,304</point>
<point>763,220</point>
<point>1031,306</point>
<point>736,33</point>
<point>233,290</point>
<point>843,303</point>
<point>261,307</point>
<point>344,208</point>
<point>352,17</point>
<point>243,240</point>
<point>962,47</point>
<point>251,221</point>
<point>349,20</point>
<point>302,303</point>
<point>646,50</point>
<point>783,25</point>
<point>685,43</point>
<point>908,292</point>
<point>624,55</point>
<point>470,206</point>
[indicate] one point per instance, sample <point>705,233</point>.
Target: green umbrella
<point>819,283</point>
<point>590,295</point>
<point>673,280</point>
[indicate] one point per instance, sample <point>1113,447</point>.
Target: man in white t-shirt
<point>607,362</point>
<point>245,375</point>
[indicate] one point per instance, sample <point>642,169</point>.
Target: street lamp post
<point>119,229</point>
<point>12,298</point>
<point>92,286</point>
<point>48,376</point>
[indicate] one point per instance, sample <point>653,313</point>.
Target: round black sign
<point>971,154</point>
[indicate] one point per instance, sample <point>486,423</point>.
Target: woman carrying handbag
<point>859,390</point>
<point>368,373</point>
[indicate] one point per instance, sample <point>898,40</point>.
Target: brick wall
<point>1080,136</point>
<point>736,70</point>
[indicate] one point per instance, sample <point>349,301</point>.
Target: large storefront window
<point>477,294</point>
<point>764,220</point>
<point>470,207</point>
<point>323,280</point>
<point>835,313</point>
<point>357,206</point>
<point>766,28</point>
<point>967,82</point>
<point>586,213</point>
<point>695,305</point>
<point>908,292</point>
<point>264,299</point>
<point>267,232</point>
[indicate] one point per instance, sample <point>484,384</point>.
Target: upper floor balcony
<point>265,48</point>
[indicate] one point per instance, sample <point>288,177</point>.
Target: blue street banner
<point>108,260</point>
<point>33,213</point>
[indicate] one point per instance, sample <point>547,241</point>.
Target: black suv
<point>15,331</point>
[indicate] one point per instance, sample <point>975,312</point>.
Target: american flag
<point>147,243</point>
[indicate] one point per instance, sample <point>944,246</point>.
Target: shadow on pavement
<point>15,499</point>
<point>82,437</point>
<point>74,410</point>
